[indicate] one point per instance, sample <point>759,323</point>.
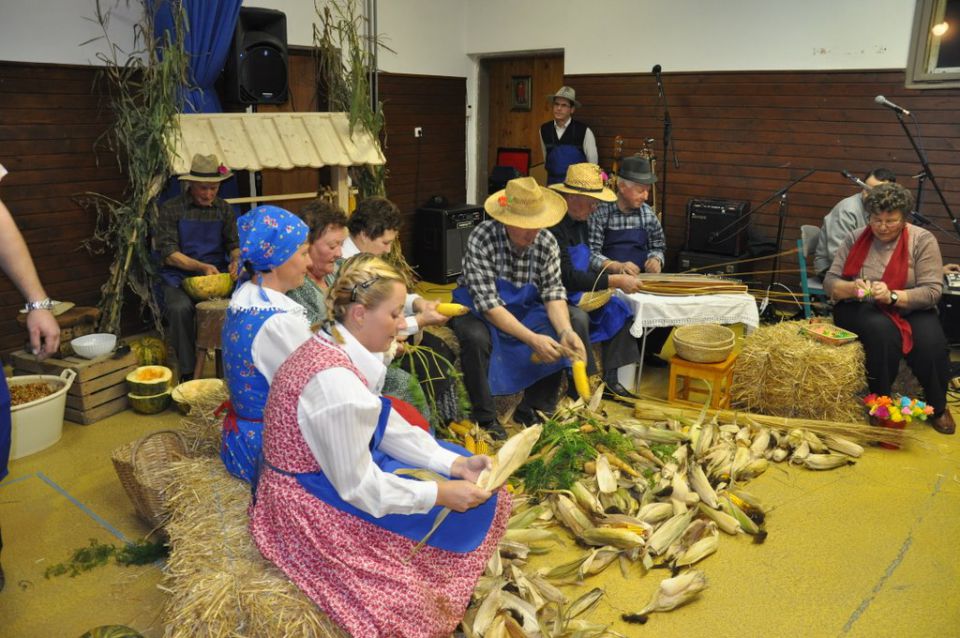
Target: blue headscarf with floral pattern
<point>269,236</point>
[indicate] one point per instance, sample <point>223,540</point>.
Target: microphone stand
<point>781,218</point>
<point>667,132</point>
<point>926,173</point>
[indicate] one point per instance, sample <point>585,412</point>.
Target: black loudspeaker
<point>707,221</point>
<point>442,240</point>
<point>256,68</point>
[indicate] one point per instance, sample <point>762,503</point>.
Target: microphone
<point>882,101</point>
<point>856,180</point>
<point>656,71</point>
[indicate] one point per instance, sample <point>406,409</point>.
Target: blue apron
<point>6,425</point>
<point>200,240</point>
<point>461,532</point>
<point>606,321</point>
<point>511,370</point>
<point>629,244</point>
<point>559,159</point>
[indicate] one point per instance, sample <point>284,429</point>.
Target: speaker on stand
<point>256,68</point>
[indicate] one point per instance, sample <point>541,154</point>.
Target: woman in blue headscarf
<point>263,326</point>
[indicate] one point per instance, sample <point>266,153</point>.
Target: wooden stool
<point>210,317</point>
<point>719,376</point>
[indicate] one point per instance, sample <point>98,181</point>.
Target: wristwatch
<point>43,304</point>
<point>894,297</point>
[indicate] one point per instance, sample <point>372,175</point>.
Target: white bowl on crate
<point>95,345</point>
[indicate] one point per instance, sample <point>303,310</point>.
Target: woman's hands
<point>464,494</point>
<point>470,467</point>
<point>460,495</point>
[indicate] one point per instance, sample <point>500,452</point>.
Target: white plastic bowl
<point>92,346</point>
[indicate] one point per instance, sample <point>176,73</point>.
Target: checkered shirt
<point>490,256</point>
<point>608,216</point>
<point>167,235</point>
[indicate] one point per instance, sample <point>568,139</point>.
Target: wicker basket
<point>594,300</point>
<point>140,465</point>
<point>704,343</point>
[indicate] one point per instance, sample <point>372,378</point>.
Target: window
<point>934,59</point>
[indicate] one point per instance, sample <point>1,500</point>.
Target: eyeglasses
<point>886,223</point>
<point>362,286</point>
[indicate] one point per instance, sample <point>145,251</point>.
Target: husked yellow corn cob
<point>580,380</point>
<point>452,309</point>
<point>461,427</point>
<point>482,447</point>
<point>470,444</point>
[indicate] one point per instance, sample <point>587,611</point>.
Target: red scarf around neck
<point>894,275</point>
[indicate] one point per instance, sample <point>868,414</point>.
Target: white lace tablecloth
<point>657,311</point>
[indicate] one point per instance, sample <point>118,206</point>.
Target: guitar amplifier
<point>707,226</point>
<point>441,240</point>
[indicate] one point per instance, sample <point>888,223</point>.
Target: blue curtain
<point>209,32</point>
<point>207,38</point>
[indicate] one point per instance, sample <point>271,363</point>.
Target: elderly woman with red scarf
<point>886,280</point>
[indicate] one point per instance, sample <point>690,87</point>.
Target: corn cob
<point>826,461</point>
<point>724,521</point>
<point>615,536</point>
<point>580,380</point>
<point>452,309</point>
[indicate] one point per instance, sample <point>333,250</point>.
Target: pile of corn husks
<point>663,500</point>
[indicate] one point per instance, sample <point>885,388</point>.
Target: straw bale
<point>201,428</point>
<point>781,372</point>
<point>218,582</point>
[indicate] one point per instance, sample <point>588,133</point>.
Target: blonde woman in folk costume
<point>330,511</point>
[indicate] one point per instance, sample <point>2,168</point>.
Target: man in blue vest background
<point>565,141</point>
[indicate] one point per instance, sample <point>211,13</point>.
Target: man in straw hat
<point>196,235</point>
<point>511,282</point>
<point>583,190</point>
<point>565,141</point>
<point>626,237</point>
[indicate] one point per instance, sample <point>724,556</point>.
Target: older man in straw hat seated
<point>511,282</point>
<point>583,190</point>
<point>196,235</point>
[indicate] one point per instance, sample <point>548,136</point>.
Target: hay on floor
<point>218,582</point>
<point>782,372</point>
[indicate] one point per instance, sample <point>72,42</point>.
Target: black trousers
<point>181,329</point>
<point>624,349</point>
<point>475,347</point>
<point>929,359</point>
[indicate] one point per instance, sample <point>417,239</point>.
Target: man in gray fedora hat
<point>196,235</point>
<point>626,236</point>
<point>565,141</point>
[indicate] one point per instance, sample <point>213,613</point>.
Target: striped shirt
<point>608,216</point>
<point>490,256</point>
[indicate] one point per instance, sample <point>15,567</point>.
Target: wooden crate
<point>100,389</point>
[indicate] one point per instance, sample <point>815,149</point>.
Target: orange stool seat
<point>718,376</point>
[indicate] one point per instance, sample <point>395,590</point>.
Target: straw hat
<point>526,204</point>
<point>567,93</point>
<point>585,179</point>
<point>206,168</point>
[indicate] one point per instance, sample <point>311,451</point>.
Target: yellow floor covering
<point>868,550</point>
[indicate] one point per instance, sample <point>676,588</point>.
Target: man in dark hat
<point>565,141</point>
<point>626,237</point>
<point>196,235</point>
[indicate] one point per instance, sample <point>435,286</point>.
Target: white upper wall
<point>434,37</point>
<point>628,36</point>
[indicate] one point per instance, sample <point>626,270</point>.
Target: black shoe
<point>525,416</point>
<point>653,361</point>
<point>614,391</point>
<point>494,429</point>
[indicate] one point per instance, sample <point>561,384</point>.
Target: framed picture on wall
<point>521,93</point>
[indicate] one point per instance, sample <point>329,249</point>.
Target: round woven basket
<point>704,343</point>
<point>140,465</point>
<point>594,300</point>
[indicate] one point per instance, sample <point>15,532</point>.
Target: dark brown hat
<point>637,169</point>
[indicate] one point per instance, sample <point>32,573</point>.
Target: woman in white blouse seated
<point>263,326</point>
<point>330,511</point>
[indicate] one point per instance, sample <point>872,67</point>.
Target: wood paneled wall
<point>50,119</point>
<point>521,128</point>
<point>435,164</point>
<point>745,135</point>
